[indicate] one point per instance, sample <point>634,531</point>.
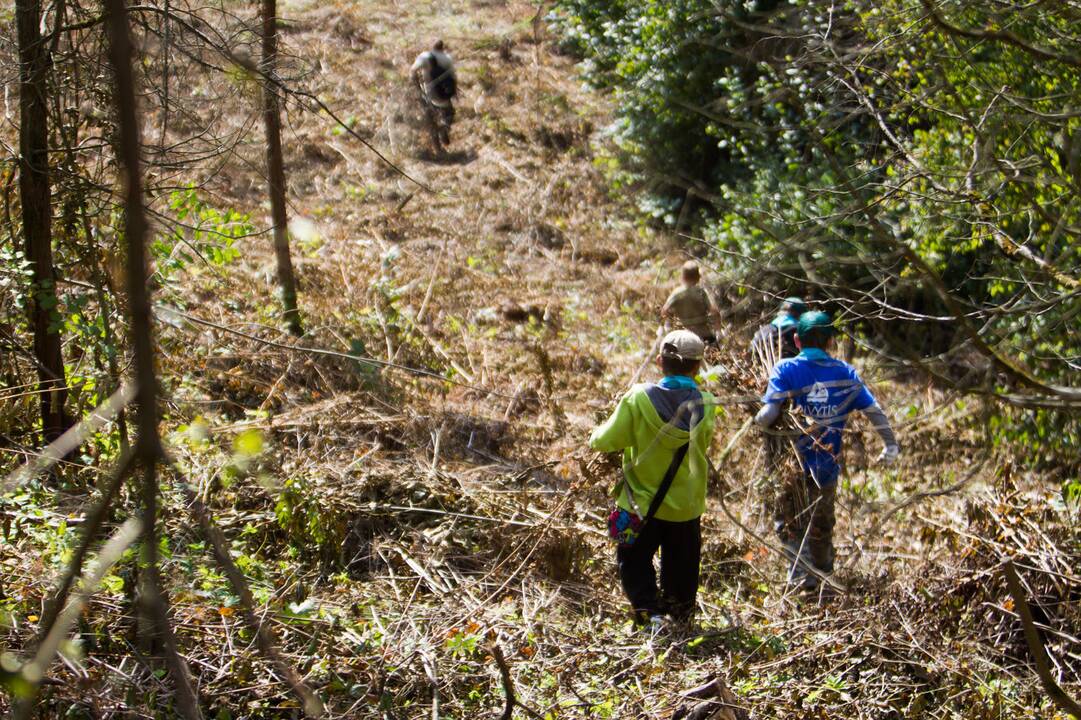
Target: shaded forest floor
<point>394,524</point>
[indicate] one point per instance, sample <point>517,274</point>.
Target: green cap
<point>794,306</point>
<point>815,320</point>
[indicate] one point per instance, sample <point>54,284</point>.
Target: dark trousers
<point>804,518</point>
<point>440,118</point>
<point>680,544</point>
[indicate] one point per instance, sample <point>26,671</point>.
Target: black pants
<point>680,544</point>
<point>440,118</point>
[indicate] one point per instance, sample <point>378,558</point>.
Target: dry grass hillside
<point>422,538</point>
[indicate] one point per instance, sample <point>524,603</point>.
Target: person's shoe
<point>681,625</point>
<point>649,623</point>
<point>657,625</point>
<point>801,577</point>
<point>655,628</point>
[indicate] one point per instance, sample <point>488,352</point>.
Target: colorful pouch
<point>623,526</point>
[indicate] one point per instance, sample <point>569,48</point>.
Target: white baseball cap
<point>682,345</point>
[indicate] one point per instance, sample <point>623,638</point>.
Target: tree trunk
<point>35,195</point>
<point>148,449</point>
<point>276,169</point>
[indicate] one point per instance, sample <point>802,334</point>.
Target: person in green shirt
<point>650,424</point>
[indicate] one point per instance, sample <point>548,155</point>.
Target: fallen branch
<point>433,678</point>
<point>1035,645</point>
<point>508,685</point>
<point>717,699</point>
<point>734,441</point>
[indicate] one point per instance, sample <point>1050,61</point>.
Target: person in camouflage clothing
<point>777,338</point>
<point>691,306</point>
<point>434,75</point>
<point>774,342</point>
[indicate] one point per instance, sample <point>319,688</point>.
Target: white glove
<point>889,454</point>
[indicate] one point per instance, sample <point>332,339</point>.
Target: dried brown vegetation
<point>423,540</point>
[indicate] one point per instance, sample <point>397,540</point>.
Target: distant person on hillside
<point>664,432</point>
<point>434,75</point>
<point>825,391</point>
<point>777,339</point>
<point>690,305</point>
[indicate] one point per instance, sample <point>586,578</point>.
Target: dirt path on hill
<point>521,273</point>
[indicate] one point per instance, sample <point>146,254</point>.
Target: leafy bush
<point>914,179</point>
<point>682,87</point>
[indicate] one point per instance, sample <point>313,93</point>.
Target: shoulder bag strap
<point>669,476</point>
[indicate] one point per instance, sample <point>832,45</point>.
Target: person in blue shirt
<point>824,391</point>
<point>773,342</point>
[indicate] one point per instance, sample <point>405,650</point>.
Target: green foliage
<point>200,232</point>
<point>832,688</point>
<point>1042,435</point>
<point>24,515</point>
<point>312,527</point>
<point>1071,491</point>
<point>369,373</point>
<point>463,643</point>
<point>15,277</point>
<point>680,90</point>
<point>818,149</point>
<point>248,443</point>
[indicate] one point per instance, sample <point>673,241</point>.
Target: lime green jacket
<point>648,444</point>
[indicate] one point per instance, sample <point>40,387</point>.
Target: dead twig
<point>1035,645</point>
<point>512,700</point>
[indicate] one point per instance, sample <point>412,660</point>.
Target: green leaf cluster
<point>199,232</point>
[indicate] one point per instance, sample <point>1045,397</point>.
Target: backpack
<point>444,85</point>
